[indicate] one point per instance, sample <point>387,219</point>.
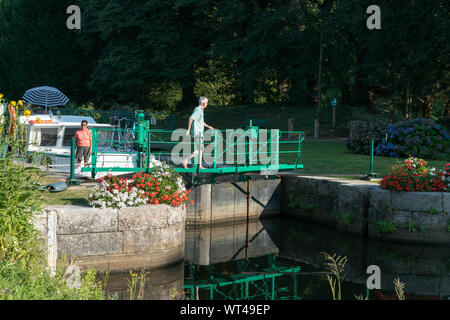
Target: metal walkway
<point>249,149</point>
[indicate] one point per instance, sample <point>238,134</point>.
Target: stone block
<point>328,188</point>
<point>401,219</point>
<point>301,185</point>
<point>431,222</point>
<point>372,215</point>
<point>100,263</point>
<point>168,256</point>
<point>399,235</point>
<point>352,199</point>
<point>417,201</point>
<point>40,224</point>
<point>90,244</point>
<point>222,201</point>
<point>268,196</point>
<point>240,199</point>
<point>446,204</point>
<point>152,239</point>
<point>323,204</point>
<point>379,199</point>
<point>82,220</point>
<point>203,205</point>
<point>176,215</point>
<point>144,217</point>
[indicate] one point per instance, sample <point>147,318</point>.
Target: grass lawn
<point>333,158</point>
<point>73,195</point>
<point>232,117</point>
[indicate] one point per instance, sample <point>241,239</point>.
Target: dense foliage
<point>33,282</point>
<point>362,131</point>
<point>418,137</point>
<point>23,265</point>
<point>414,175</point>
<point>160,54</point>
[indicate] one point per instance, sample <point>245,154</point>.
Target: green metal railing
<point>225,153</point>
<point>249,149</point>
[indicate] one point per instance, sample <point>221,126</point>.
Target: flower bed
<point>414,175</point>
<point>162,186</point>
<point>417,137</point>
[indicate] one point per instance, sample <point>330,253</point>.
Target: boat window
<point>69,133</point>
<point>49,136</point>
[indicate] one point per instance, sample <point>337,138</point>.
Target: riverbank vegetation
<point>23,261</point>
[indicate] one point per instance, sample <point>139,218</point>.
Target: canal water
<point>284,259</point>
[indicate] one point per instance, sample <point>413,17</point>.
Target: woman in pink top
<point>83,139</point>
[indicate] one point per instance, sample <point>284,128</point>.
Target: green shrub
<point>19,202</point>
<point>33,282</point>
<point>417,137</point>
<point>384,227</point>
<point>23,274</point>
<point>363,130</point>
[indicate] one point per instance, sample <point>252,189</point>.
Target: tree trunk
<point>427,107</point>
<point>408,103</point>
<point>361,88</point>
<point>345,94</point>
<point>188,99</point>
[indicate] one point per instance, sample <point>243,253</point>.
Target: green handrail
<point>249,162</point>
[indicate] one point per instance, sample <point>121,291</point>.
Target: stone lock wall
<point>363,208</point>
<point>117,239</point>
<point>416,216</point>
<point>222,202</point>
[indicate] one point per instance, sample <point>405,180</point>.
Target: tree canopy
<point>163,54</point>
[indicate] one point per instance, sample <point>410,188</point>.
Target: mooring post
<point>371,156</point>
<point>72,180</point>
<point>371,174</point>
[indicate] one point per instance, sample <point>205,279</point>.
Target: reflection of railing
<point>248,283</point>
<point>225,151</point>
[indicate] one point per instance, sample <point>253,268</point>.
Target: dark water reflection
<point>218,255</point>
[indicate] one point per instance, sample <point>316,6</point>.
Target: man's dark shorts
<point>83,152</point>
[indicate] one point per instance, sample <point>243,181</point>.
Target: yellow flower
<point>20,102</point>
<point>1,95</point>
<point>13,103</point>
<point>27,113</point>
<point>38,119</point>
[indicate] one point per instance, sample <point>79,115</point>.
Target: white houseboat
<point>52,136</point>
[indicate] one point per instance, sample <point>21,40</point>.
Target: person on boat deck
<point>83,139</point>
<point>199,128</point>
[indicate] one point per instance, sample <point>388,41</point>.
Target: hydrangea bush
<point>162,186</point>
<point>414,175</point>
<point>418,137</point>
